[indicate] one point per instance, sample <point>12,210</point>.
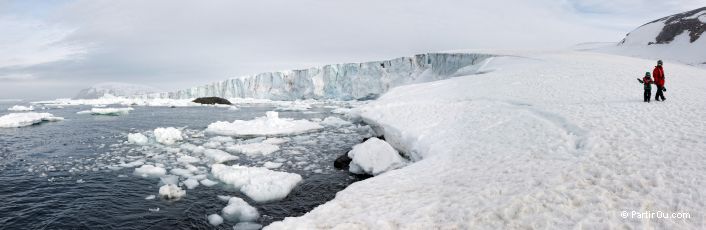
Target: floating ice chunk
<point>341,111</point>
<point>221,139</point>
<point>188,159</point>
<point>171,192</point>
<point>254,149</point>
<point>107,111</point>
<point>269,125</point>
<point>21,108</point>
<point>169,179</point>
<point>181,172</point>
<point>272,165</point>
<point>150,197</point>
<point>275,141</point>
<point>208,183</point>
<point>247,226</point>
<point>192,148</point>
<point>132,164</point>
<point>239,211</point>
<point>137,138</point>
<point>167,136</point>
<point>260,184</point>
<point>212,145</point>
<point>25,119</point>
<point>219,156</point>
<point>374,157</point>
<point>225,198</point>
<point>150,171</point>
<point>153,209</point>
<point>80,181</point>
<point>335,122</point>
<point>215,219</point>
<point>191,183</point>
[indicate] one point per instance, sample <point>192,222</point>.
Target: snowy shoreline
<point>531,146</point>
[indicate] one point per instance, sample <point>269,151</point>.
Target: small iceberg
<point>107,111</point>
<point>14,120</point>
<point>270,125</point>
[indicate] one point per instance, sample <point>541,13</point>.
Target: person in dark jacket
<point>658,74</point>
<point>647,81</point>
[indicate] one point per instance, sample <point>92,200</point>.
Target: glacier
<point>349,81</point>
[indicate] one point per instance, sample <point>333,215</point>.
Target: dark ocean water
<point>54,176</point>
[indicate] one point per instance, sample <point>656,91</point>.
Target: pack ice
<point>270,125</point>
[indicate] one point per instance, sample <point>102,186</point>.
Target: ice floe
<point>239,211</point>
<point>25,119</point>
<point>254,149</point>
<point>137,138</point>
<point>260,184</point>
<point>271,124</point>
<point>150,171</point>
<point>107,111</point>
<point>219,156</point>
<point>167,136</point>
<point>21,108</point>
<point>215,219</point>
<point>171,192</point>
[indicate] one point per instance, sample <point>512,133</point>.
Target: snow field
<point>553,140</point>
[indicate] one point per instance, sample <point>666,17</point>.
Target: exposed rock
<point>211,100</point>
<point>342,162</point>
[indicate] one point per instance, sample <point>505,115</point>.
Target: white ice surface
<point>168,136</point>
<point>335,122</point>
<point>137,138</point>
<point>260,184</point>
<point>253,149</point>
<point>269,125</point>
<point>219,156</point>
<point>239,211</point>
<point>21,108</point>
<point>107,111</point>
<point>26,119</point>
<point>374,157</point>
<point>549,140</point>
<point>171,192</point>
<point>150,171</point>
<point>215,219</point>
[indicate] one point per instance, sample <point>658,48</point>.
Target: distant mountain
<point>676,37</point>
<point>684,27</point>
<point>115,89</point>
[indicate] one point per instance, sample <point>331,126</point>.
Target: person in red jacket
<point>658,75</point>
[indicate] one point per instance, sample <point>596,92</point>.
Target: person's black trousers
<point>660,93</point>
<point>648,95</point>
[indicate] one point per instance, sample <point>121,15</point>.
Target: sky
<point>53,48</point>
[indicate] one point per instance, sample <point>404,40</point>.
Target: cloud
<point>176,44</point>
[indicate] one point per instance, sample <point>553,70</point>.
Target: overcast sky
<point>51,49</point>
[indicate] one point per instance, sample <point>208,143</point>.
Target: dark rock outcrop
<point>211,100</point>
<point>674,25</point>
<point>342,162</point>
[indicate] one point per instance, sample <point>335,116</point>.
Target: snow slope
<point>339,81</point>
<point>556,140</point>
<point>675,38</point>
<point>115,89</point>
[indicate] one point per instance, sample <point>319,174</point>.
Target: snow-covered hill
<point>115,89</point>
<point>676,37</point>
<point>556,140</point>
<point>339,81</point>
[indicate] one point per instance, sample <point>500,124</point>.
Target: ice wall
<point>350,81</point>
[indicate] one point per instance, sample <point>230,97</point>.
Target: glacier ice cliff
<point>350,81</point>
